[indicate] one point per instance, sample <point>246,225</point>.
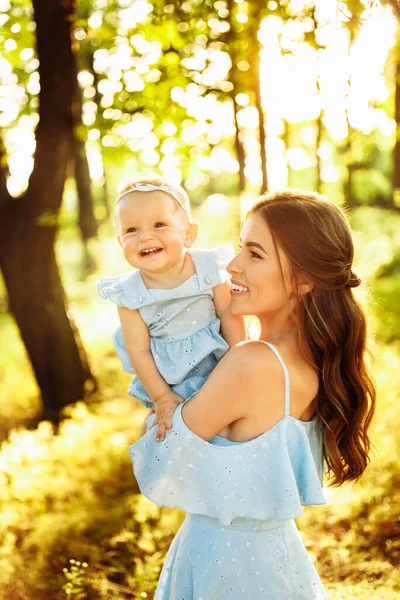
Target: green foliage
<point>146,67</point>
<point>377,244</point>
<point>17,52</point>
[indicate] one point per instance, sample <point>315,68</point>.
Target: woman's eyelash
<point>254,254</point>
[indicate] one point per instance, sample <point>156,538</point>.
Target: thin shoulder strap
<point>286,376</point>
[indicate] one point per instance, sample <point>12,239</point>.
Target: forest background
<point>230,98</point>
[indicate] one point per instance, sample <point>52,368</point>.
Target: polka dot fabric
<point>239,539</point>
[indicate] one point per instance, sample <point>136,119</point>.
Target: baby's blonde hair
<point>160,181</point>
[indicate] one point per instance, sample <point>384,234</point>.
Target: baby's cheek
<point>129,246</point>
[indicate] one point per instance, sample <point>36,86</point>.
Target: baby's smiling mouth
<point>150,251</point>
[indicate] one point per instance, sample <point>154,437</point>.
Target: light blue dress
<point>239,539</point>
<point>184,330</point>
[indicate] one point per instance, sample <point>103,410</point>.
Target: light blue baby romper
<point>239,539</point>
<point>184,330</point>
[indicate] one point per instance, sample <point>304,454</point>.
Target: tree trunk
<point>37,301</point>
<point>255,72</point>
<point>105,195</point>
<point>286,140</point>
<point>97,100</point>
<point>87,220</point>
<point>318,139</point>
<point>28,225</point>
<point>348,146</point>
<point>240,154</point>
<point>348,183</point>
<point>4,197</point>
<point>396,149</point>
<point>395,4</point>
<point>234,79</point>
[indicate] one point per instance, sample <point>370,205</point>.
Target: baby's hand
<point>165,408</point>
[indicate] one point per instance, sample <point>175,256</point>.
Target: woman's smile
<point>238,289</point>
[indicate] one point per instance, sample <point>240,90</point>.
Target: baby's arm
<point>137,343</point>
<point>233,327</point>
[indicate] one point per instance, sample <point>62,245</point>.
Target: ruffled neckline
<point>269,477</point>
<point>307,425</point>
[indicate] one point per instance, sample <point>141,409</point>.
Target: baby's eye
<point>131,230</point>
<point>159,224</point>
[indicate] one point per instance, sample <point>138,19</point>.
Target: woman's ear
<point>304,283</point>
<point>191,234</point>
<point>304,288</point>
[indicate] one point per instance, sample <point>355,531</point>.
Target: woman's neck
<point>279,336</point>
<point>287,337</point>
<point>279,328</point>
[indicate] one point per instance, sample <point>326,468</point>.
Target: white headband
<point>149,187</point>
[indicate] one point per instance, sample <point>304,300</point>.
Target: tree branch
<point>4,195</point>
<point>395,5</point>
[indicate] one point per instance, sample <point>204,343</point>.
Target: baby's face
<point>153,230</point>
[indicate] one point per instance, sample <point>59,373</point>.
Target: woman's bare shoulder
<point>233,389</point>
<point>254,358</point>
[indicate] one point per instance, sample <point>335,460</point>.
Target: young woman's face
<point>153,231</point>
<point>261,282</point>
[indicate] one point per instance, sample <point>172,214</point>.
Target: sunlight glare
<point>217,205</point>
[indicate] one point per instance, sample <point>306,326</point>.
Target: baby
<point>174,304</point>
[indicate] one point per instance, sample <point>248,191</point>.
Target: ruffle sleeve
<point>126,290</point>
<point>269,477</point>
<point>211,264</point>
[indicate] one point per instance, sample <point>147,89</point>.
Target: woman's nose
<point>234,266</point>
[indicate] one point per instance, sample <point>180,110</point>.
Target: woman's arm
<point>233,328</point>
<point>248,380</point>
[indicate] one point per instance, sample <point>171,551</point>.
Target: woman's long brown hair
<point>314,234</point>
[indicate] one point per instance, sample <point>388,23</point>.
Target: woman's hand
<point>165,408</point>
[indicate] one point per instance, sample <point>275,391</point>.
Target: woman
<point>247,451</point>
